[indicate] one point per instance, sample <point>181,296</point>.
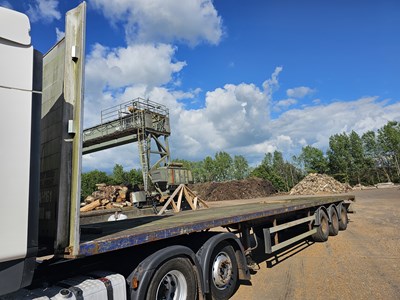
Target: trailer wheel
<point>343,218</point>
<point>322,233</point>
<point>334,226</point>
<point>175,280</point>
<point>223,272</point>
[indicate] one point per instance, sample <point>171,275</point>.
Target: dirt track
<point>362,262</point>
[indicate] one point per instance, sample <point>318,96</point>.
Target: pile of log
<point>106,197</point>
<point>314,184</point>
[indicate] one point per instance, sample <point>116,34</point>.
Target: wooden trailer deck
<point>109,236</point>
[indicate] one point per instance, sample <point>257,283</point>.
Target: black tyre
<point>343,218</point>
<point>322,233</point>
<point>223,275</point>
<point>334,225</point>
<point>174,280</point>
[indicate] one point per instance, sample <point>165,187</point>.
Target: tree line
<point>367,159</point>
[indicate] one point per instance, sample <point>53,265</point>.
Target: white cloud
<point>44,10</point>
<point>316,101</point>
<point>281,104</point>
<point>299,92</point>
<point>165,21</point>
<point>272,84</point>
<point>120,74</point>
<point>59,34</point>
<point>135,64</point>
<point>235,118</point>
<point>6,4</point>
<point>316,124</point>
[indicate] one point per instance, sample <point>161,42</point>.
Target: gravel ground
<point>362,262</point>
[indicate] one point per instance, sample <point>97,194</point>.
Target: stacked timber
<point>315,183</point>
<point>106,197</point>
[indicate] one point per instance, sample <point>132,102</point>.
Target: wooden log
<point>90,206</point>
<point>99,195</point>
<point>89,199</point>
<point>122,194</point>
<point>104,201</point>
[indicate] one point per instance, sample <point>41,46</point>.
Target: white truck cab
<point>20,85</point>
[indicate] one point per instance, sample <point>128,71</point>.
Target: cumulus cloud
<point>282,104</point>
<point>45,11</point>
<point>140,64</point>
<point>272,84</point>
<point>316,101</point>
<point>191,22</point>
<point>236,119</point>
<point>233,116</point>
<point>117,74</point>
<point>316,124</point>
<point>299,92</point>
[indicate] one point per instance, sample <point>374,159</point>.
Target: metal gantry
<point>139,120</point>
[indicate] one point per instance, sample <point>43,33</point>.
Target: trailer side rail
<point>275,229</point>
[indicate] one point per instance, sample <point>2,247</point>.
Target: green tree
<point>389,141</point>
<point>240,167</point>
<point>313,160</point>
<point>223,166</point>
<point>209,169</point>
<point>90,179</point>
<point>267,171</point>
<point>119,176</point>
<point>358,162</point>
<point>339,156</point>
<point>371,152</point>
<point>135,176</point>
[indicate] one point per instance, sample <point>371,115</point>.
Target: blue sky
<point>246,77</point>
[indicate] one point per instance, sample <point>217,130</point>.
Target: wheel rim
<point>222,270</point>
<point>173,286</point>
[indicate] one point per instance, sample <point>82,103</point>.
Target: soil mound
<point>314,184</point>
<point>235,189</point>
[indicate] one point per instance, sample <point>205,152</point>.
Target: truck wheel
<point>175,280</point>
<point>223,272</point>
<point>322,233</point>
<point>343,218</point>
<point>334,226</point>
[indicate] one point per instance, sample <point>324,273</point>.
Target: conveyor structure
<point>139,120</point>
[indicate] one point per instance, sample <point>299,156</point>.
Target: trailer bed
<point>109,236</point>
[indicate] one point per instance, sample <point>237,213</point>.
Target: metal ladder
<point>143,146</point>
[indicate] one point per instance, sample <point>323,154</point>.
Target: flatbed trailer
<point>104,237</point>
<point>48,252</point>
<point>154,254</point>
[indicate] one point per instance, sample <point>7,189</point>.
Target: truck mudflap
<point>97,285</point>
